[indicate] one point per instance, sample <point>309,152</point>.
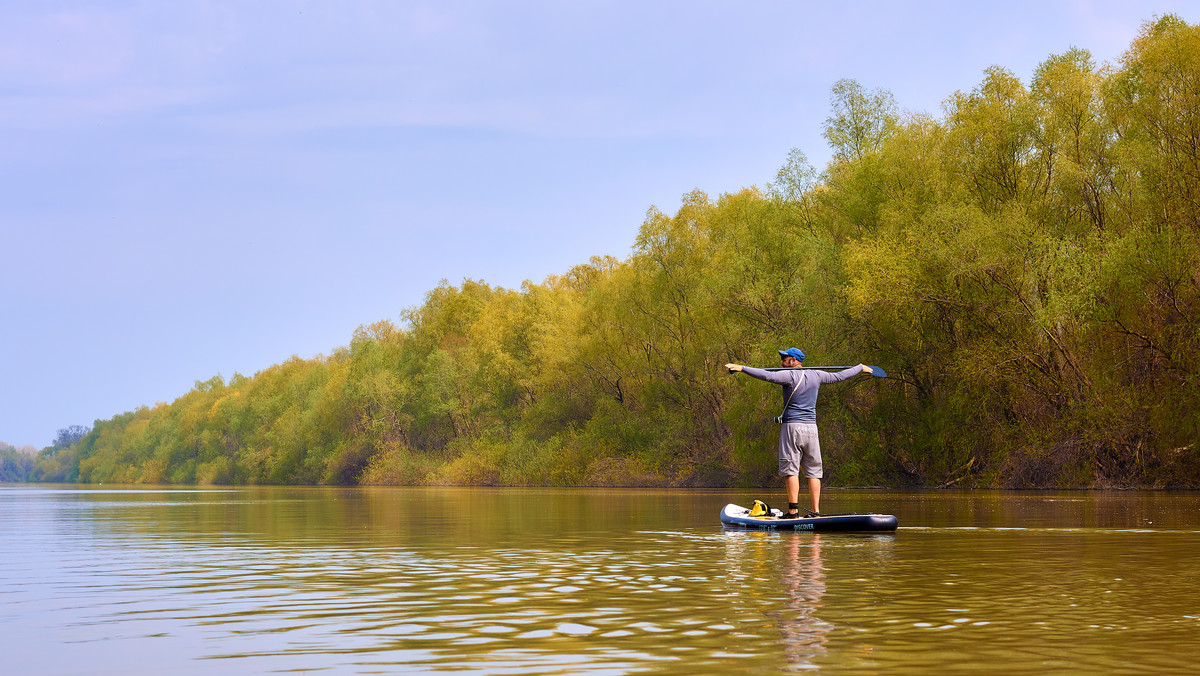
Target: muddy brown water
<point>97,580</point>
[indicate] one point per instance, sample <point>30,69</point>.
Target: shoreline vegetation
<point>1026,267</point>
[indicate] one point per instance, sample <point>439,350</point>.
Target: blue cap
<point>792,352</point>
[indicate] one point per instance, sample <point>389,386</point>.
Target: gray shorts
<point>799,448</point>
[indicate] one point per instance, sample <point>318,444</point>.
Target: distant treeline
<point>1026,267</point>
<point>16,464</point>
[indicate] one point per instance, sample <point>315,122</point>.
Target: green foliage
<point>861,121</point>
<point>1027,269</point>
<point>15,465</point>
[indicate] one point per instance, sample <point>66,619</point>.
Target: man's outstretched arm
<point>777,377</point>
<point>827,377</point>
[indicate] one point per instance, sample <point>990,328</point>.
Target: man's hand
<point>733,368</point>
<point>866,369</point>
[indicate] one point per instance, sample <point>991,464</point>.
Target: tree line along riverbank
<point>1025,266</point>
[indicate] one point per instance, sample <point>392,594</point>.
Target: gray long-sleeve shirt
<point>800,388</point>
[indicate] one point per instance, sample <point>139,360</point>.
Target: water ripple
<point>157,583</point>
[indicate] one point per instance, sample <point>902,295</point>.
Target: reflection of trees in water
<point>802,632</point>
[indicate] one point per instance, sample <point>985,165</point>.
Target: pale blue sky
<point>197,188</point>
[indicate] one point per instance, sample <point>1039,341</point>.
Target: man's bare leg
<point>793,489</point>
<point>814,491</point>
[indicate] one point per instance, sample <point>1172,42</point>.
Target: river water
<point>97,580</point>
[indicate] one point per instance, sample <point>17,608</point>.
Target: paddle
<point>806,513</point>
<point>875,370</point>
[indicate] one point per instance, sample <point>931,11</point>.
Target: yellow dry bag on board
<point>760,508</point>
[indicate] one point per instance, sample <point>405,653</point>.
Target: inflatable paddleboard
<point>736,516</point>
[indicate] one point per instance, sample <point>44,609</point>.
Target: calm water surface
<point>526,581</point>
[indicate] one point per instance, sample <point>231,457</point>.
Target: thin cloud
<point>98,109</point>
<point>58,49</point>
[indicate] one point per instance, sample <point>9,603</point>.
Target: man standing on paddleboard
<point>799,447</point>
